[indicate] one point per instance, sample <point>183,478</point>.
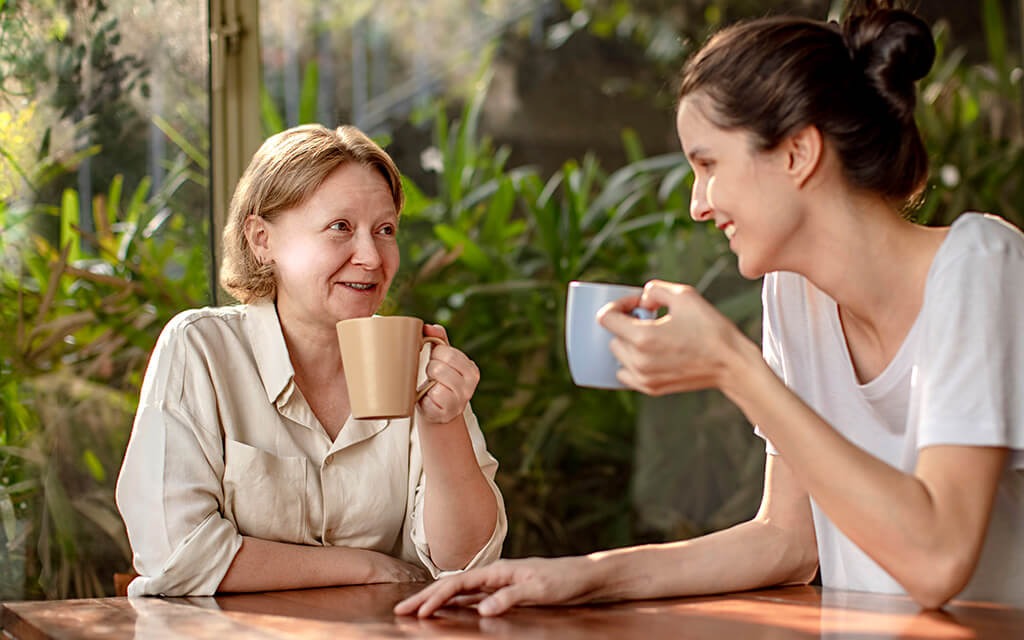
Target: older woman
<point>245,470</point>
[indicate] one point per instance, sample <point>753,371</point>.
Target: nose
<point>700,205</point>
<point>365,252</point>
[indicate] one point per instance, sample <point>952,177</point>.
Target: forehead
<point>692,123</point>
<point>698,132</point>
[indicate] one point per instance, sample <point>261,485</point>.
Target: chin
<point>750,270</point>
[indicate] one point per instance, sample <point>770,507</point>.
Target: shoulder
<point>205,323</point>
<point>981,235</point>
<point>200,333</point>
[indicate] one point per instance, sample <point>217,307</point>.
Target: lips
<point>359,286</point>
<point>728,228</point>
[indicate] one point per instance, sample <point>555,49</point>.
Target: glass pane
<point>104,217</point>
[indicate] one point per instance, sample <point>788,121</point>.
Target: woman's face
<point>336,253</point>
<point>745,192</point>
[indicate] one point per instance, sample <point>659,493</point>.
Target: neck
<point>871,261</point>
<point>312,346</point>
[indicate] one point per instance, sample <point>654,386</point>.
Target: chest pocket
<point>265,494</point>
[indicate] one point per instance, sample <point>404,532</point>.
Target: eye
<point>340,225</point>
<point>387,230</point>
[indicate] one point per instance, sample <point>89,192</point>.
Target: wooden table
<point>365,612</point>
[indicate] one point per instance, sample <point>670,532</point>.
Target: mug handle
<point>425,387</point>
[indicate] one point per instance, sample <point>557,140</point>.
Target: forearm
<point>890,514</point>
<point>750,555</point>
<point>264,565</point>
<point>460,509</point>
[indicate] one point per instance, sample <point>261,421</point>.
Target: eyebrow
<point>693,153</point>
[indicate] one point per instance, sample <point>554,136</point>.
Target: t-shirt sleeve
<point>769,342</point>
<point>968,385</point>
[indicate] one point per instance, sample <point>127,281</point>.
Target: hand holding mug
<point>684,350</point>
<point>455,377</point>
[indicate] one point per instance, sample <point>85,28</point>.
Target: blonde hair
<point>286,170</point>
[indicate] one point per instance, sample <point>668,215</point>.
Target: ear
<point>258,236</point>
<point>804,152</point>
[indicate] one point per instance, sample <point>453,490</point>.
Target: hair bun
<point>894,49</point>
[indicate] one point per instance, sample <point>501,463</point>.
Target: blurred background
<point>538,147</point>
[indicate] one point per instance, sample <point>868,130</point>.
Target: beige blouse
<point>225,445</point>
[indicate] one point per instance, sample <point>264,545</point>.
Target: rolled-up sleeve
<point>170,492</point>
<point>415,524</point>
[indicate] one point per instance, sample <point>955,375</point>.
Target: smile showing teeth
<point>729,231</point>
<point>359,286</point>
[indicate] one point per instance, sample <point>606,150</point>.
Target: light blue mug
<point>591,362</point>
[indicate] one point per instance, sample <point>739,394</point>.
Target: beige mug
<point>381,355</point>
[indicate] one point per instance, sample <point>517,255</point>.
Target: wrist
<point>740,368</point>
<point>604,577</point>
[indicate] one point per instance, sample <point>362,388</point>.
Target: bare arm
<point>460,510</point>
<point>776,547</point>
<point>926,528</point>
<point>263,565</point>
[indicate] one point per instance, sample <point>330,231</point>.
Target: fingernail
<point>486,607</point>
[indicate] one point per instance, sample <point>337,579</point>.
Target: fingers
<point>658,293</point>
<point>615,317</point>
<point>429,600</point>
<point>456,377</point>
<point>436,331</point>
<point>504,599</point>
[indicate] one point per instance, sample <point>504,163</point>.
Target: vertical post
<point>235,127</point>
<point>360,76</point>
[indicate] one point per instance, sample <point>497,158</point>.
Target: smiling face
<point>747,193</point>
<point>334,254</point>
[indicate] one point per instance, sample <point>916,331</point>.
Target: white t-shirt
<point>957,379</point>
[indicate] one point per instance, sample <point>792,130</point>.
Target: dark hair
<point>854,82</point>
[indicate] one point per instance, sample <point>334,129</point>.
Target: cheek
<point>302,259</point>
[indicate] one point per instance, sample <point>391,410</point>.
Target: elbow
<point>940,581</point>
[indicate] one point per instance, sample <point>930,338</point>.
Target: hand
<point>384,568</point>
<point>684,350</point>
<point>456,378</point>
<point>498,587</point>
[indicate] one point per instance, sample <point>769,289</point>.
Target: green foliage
<point>972,120</point>
<point>80,313</point>
<point>491,258</point>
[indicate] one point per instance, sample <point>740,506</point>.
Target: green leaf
<point>60,511</point>
<point>93,464</point>
<point>273,121</point>
<point>307,98</point>
<point>197,156</point>
<point>69,220</point>
<point>631,143</point>
<point>496,219</point>
<point>471,253</point>
<point>995,35</point>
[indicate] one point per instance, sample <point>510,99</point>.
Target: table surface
<point>365,612</point>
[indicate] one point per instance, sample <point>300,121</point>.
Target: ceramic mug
<point>381,356</point>
<point>591,362</point>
